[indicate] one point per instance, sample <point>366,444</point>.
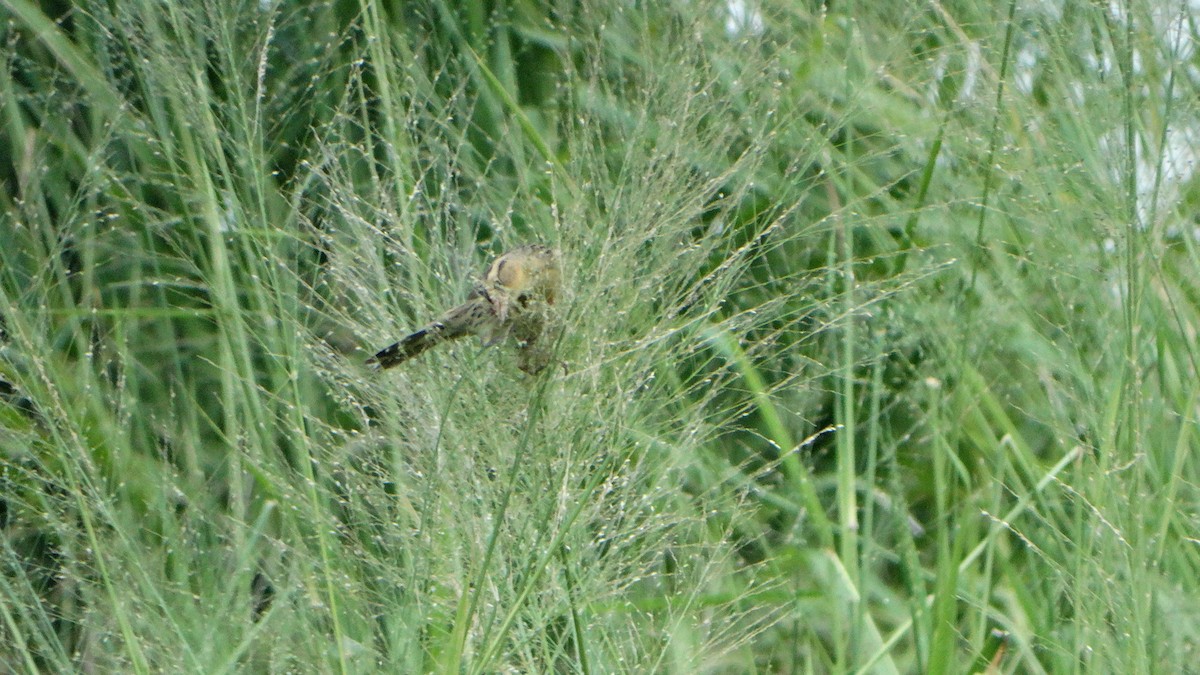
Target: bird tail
<point>407,348</point>
<point>458,322</point>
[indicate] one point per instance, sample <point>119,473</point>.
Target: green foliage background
<point>878,341</point>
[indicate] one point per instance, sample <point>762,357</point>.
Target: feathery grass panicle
<point>876,331</point>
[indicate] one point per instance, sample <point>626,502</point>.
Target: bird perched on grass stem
<point>514,300</point>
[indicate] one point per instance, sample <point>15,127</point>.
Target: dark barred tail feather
<point>466,319</point>
<point>405,349</point>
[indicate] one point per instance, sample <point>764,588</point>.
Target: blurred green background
<point>878,337</point>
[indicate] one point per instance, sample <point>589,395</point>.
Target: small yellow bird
<point>514,300</point>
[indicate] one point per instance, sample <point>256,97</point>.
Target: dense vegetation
<point>878,339</point>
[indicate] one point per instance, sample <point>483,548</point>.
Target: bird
<point>514,300</point>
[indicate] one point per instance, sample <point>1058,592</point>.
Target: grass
<point>877,339</point>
